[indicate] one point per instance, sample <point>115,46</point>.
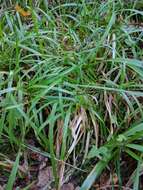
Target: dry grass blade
<point>78,127</point>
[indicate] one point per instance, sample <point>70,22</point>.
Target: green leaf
<point>137,175</point>
<point>94,174</point>
<point>121,138</point>
<point>65,133</point>
<point>96,152</point>
<point>51,141</point>
<point>136,147</point>
<point>132,154</point>
<point>134,130</point>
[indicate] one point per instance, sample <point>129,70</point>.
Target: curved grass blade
<point>136,147</point>
<point>95,173</point>
<point>133,130</point>
<point>132,154</point>
<point>51,142</point>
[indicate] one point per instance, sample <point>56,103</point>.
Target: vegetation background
<point>71,94</point>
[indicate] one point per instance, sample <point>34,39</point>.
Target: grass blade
<point>94,174</point>
<point>137,176</point>
<point>12,176</point>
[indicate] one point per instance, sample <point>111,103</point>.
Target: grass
<point>71,81</point>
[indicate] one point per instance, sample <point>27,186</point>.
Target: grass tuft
<point>71,90</point>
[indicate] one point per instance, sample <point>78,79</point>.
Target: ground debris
<point>68,186</point>
<point>45,177</point>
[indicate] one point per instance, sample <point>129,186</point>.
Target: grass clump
<point>71,88</point>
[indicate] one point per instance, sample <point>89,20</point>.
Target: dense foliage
<point>71,89</point>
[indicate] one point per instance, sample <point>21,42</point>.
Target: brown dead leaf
<point>45,176</point>
<point>104,179</point>
<point>61,172</point>
<point>59,137</point>
<point>21,11</point>
<point>115,178</point>
<point>77,188</point>
<point>68,186</point>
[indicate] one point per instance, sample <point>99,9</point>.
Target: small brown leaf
<point>68,186</point>
<point>115,178</point>
<point>21,11</point>
<point>45,176</point>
